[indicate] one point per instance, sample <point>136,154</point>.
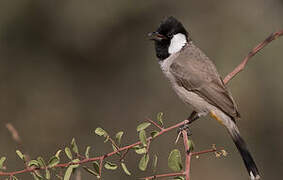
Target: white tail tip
<point>253,177</point>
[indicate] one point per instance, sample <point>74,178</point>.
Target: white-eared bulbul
<point>196,81</point>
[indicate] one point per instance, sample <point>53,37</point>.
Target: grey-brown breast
<point>194,71</point>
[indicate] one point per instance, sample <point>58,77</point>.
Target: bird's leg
<point>194,116</point>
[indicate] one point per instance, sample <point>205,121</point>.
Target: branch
<point>99,158</point>
<point>188,155</point>
<point>255,50</point>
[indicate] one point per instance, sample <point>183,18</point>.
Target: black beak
<point>156,36</point>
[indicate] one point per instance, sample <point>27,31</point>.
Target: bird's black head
<point>169,37</point>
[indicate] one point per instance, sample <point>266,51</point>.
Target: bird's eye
<point>170,35</point>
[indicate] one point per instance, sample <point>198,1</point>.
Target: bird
<point>196,81</point>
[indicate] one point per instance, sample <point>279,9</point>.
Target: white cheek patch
<point>177,42</point>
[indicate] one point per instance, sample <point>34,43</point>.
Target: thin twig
<point>155,124</point>
<point>206,151</point>
<point>256,49</point>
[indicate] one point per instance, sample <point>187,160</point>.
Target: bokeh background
<point>67,67</point>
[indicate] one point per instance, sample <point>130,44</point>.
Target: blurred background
<point>67,67</point>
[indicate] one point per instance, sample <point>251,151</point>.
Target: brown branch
<point>255,50</point>
<point>99,158</point>
<point>155,124</point>
<point>206,151</point>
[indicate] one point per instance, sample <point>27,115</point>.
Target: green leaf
<point>47,174</point>
<point>33,163</point>
<point>179,178</point>
<point>160,118</point>
<point>54,160</point>
<point>90,171</point>
<point>125,169</point>
<point>41,162</point>
<point>74,146</point>
<point>143,126</point>
<point>59,177</point>
<point>153,134</point>
<point>35,176</point>
<point>68,153</point>
<point>154,163</point>
<point>142,137</point>
<point>143,162</point>
<point>141,150</point>
<point>106,139</point>
<point>87,151</point>
<point>2,160</point>
<point>114,147</point>
<point>58,154</point>
<point>174,160</point>
<point>100,132</point>
<point>110,166</point>
<point>191,144</point>
<point>119,136</point>
<point>14,178</point>
<point>75,161</point>
<point>68,173</point>
<point>96,166</point>
<point>20,154</point>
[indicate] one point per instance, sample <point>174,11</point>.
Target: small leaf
<point>2,160</point>
<point>74,146</point>
<point>14,178</point>
<point>175,161</point>
<point>154,163</point>
<point>87,151</point>
<point>114,147</point>
<point>33,163</point>
<point>143,126</point>
<point>179,178</point>
<point>35,177</point>
<point>58,154</point>
<point>96,166</point>
<point>106,139</point>
<point>100,132</point>
<point>141,151</point>
<point>20,154</point>
<point>119,136</point>
<point>136,147</point>
<point>142,137</point>
<point>191,144</point>
<point>160,118</point>
<point>54,160</point>
<point>125,169</point>
<point>47,174</point>
<point>110,166</point>
<point>154,134</point>
<point>68,173</point>
<point>41,162</point>
<point>59,177</point>
<point>143,162</point>
<point>75,161</point>
<point>68,153</point>
<point>90,171</point>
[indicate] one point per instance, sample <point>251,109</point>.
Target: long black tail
<point>242,148</point>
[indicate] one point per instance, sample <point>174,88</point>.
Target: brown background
<point>69,66</point>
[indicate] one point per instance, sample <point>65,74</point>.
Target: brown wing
<point>195,72</point>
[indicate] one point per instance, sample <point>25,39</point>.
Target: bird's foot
<point>184,127</point>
